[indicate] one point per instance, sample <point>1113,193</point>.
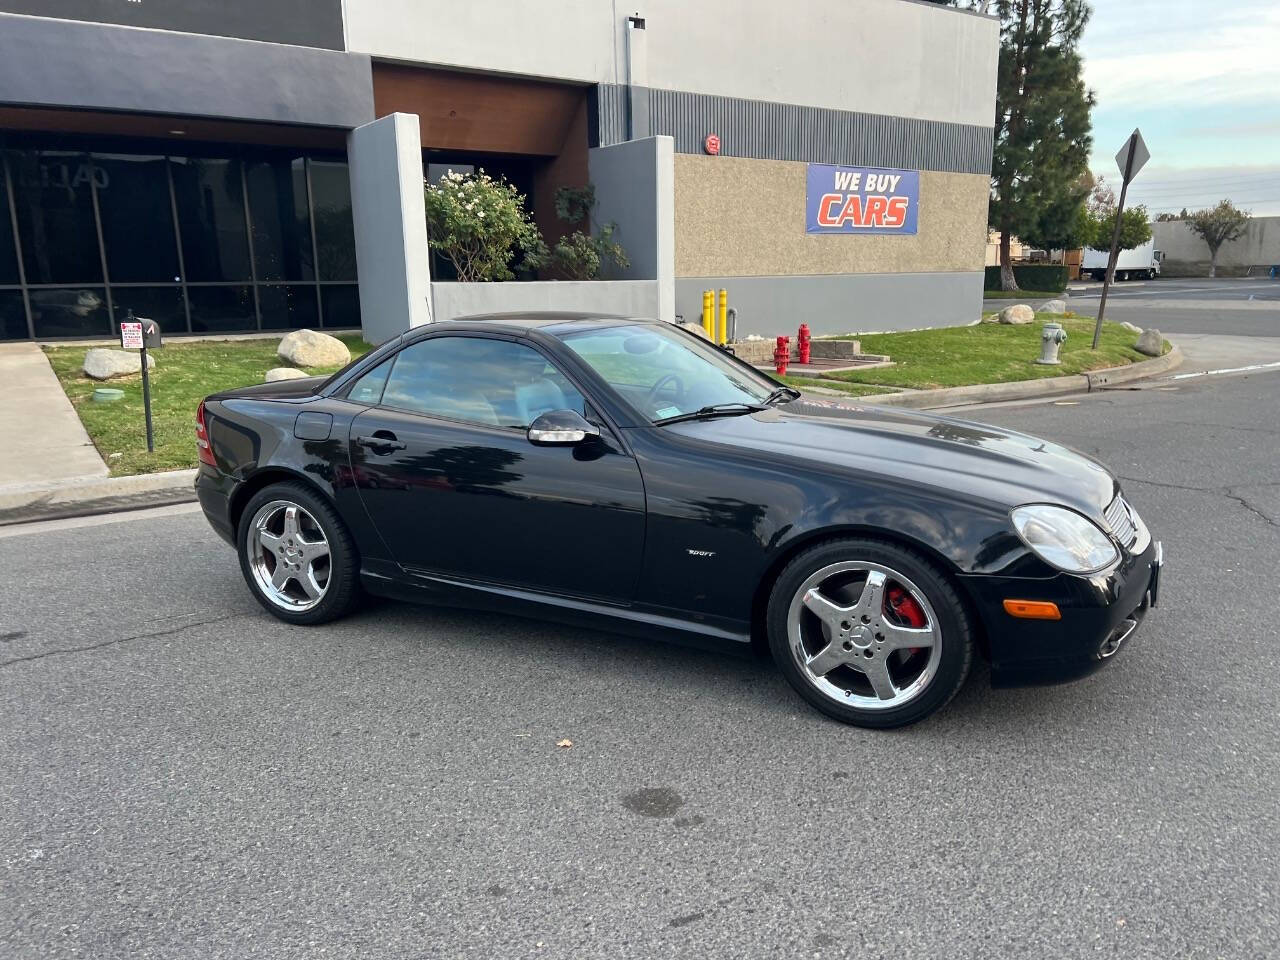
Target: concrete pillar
<point>387,206</point>
<point>635,188</point>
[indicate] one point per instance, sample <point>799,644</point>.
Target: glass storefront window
<point>254,239</point>
<point>8,249</point>
<point>162,304</point>
<point>70,312</point>
<point>222,309</point>
<point>281,225</point>
<point>210,200</point>
<point>13,316</point>
<point>335,236</point>
<point>137,218</point>
<point>288,307</point>
<point>341,305</point>
<point>53,197</point>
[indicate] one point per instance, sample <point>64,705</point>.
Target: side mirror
<point>561,428</point>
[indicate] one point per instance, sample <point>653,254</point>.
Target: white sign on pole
<point>130,335</point>
<point>1140,154</point>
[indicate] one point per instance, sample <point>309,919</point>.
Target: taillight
<point>202,438</point>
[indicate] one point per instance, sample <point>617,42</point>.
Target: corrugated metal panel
<point>611,99</point>
<point>783,131</point>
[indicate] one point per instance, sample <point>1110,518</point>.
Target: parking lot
<point>1236,306</point>
<point>183,775</point>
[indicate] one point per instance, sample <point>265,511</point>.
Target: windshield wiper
<point>714,410</point>
<point>791,393</point>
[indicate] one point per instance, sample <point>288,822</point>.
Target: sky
<point>1202,82</point>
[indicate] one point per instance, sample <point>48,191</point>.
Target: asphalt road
<point>1237,306</point>
<point>183,776</point>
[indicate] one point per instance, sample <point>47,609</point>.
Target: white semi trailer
<point>1139,263</point>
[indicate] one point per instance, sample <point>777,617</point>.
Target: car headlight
<point>1063,538</point>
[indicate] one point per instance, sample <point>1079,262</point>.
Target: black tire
<point>342,593</point>
<point>956,631</point>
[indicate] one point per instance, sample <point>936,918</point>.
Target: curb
<point>55,501</point>
<point>1025,389</point>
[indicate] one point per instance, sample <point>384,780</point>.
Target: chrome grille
<point>1120,519</point>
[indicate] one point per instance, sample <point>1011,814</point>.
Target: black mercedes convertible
<point>629,475</point>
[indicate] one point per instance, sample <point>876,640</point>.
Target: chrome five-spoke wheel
<point>864,635</point>
<point>288,556</point>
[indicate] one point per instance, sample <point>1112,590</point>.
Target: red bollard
<point>802,340</point>
<point>781,354</point>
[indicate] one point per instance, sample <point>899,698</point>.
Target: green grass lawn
<point>989,353</point>
<point>185,373</point>
<point>852,389</point>
<point>1021,295</point>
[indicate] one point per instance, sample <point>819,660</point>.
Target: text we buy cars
<point>861,200</point>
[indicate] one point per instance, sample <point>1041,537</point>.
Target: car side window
<point>478,380</point>
<point>368,389</point>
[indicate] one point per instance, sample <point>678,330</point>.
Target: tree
<point>1102,199</point>
<point>1064,222</point>
<point>478,224</point>
<point>1135,229</point>
<point>1042,126</point>
<point>1216,226</point>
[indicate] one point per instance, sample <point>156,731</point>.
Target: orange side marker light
<point>1032,610</point>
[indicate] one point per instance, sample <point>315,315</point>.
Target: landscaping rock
<point>1054,306</point>
<point>307,348</point>
<point>692,328</point>
<point>1017,313</point>
<point>101,363</point>
<point>284,373</point>
<point>1131,327</point>
<point>1150,343</point>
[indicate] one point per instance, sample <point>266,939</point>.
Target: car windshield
<point>664,373</point>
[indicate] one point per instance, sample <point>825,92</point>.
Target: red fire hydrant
<point>781,354</point>
<point>802,341</point>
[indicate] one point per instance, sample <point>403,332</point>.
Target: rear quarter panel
<point>256,442</point>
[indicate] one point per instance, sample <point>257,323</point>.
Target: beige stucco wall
<point>743,217</point>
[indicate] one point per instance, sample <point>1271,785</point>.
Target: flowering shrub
<point>478,224</point>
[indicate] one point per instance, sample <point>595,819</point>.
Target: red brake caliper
<point>905,607</point>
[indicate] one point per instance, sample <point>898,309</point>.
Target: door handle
<point>381,444</point>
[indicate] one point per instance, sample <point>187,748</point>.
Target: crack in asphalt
<point>119,640</point>
<point>1224,492</point>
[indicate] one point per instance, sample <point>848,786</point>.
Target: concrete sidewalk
<point>42,439</point>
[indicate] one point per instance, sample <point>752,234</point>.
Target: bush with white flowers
<point>479,224</point>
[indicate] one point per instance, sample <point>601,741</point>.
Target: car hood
<point>974,459</point>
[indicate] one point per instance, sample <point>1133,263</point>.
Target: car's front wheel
<point>297,555</point>
<point>869,632</point>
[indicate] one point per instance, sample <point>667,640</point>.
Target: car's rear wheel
<point>869,632</point>
<point>297,555</point>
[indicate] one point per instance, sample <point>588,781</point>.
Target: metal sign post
<point>138,334</point>
<point>1132,157</point>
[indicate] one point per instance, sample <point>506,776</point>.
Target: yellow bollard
<point>722,334</point>
<point>707,308</point>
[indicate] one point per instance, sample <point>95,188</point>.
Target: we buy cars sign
<point>861,200</point>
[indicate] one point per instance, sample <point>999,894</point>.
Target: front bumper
<point>1100,614</point>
